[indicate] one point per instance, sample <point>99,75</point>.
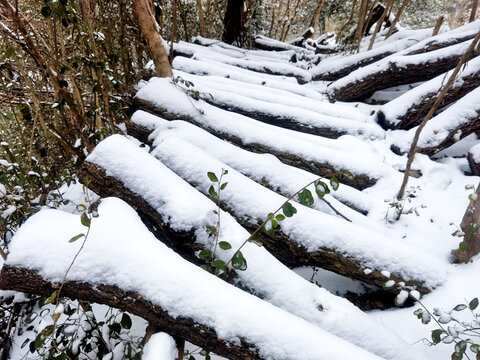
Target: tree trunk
<point>438,25</point>
<point>361,22</point>
<point>201,18</point>
<point>234,22</point>
<point>397,18</point>
<point>470,226</point>
<point>473,13</point>
<point>379,23</point>
<point>149,29</point>
<point>316,16</point>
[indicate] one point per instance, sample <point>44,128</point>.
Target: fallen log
<point>296,241</point>
<point>264,43</point>
<point>264,169</point>
<point>470,226</point>
<point>285,116</point>
<point>453,124</point>
<point>396,70</point>
<point>105,273</point>
<point>474,159</point>
<point>408,110</point>
<point>181,208</point>
<point>297,149</point>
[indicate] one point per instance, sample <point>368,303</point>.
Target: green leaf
<point>225,172</point>
<point>473,304</point>
<point>205,254</point>
<point>212,176</point>
<point>239,262</point>
<point>39,340</point>
<point>47,331</point>
<point>75,238</point>
<point>334,183</point>
<point>274,223</point>
<point>51,299</point>
<point>462,246</point>
<point>347,174</point>
<point>223,186</point>
<point>321,189</point>
<point>46,11</point>
<point>280,217</point>
<point>306,198</point>
<point>460,307</point>
<point>212,191</point>
<point>126,321</point>
<point>212,229</point>
<point>270,216</point>
<point>224,245</point>
<point>436,335</point>
<point>268,228</point>
<point>219,264</point>
<point>289,210</point>
<point>85,220</point>
<point>80,207</point>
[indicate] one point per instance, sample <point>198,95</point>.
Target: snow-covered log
<point>124,266</point>
<point>396,70</point>
<point>181,209</point>
<point>260,65</point>
<point>474,159</point>
<point>289,116</point>
<point>263,168</point>
<point>409,109</point>
<point>470,227</point>
<point>312,153</point>
<point>265,43</point>
<point>458,121</point>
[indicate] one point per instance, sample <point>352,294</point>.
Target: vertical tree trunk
<point>201,18</point>
<point>438,25</point>
<point>316,16</point>
<point>474,10</point>
<point>397,18</point>
<point>149,29</point>
<point>379,24</point>
<point>234,22</point>
<point>362,13</point>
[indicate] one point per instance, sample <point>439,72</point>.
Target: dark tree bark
<point>287,251</point>
<point>470,226</point>
<point>234,22</point>
<point>360,181</point>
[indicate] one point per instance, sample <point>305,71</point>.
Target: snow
<point>309,147</point>
<point>184,208</point>
<point>439,127</point>
<point>160,346</point>
<point>111,257</point>
<point>475,151</point>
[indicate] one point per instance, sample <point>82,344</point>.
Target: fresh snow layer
<point>111,257</point>
<point>475,151</point>
<point>309,228</point>
<point>161,92</point>
<point>400,60</point>
<point>399,106</point>
<point>184,208</point>
<point>161,346</point>
<point>260,167</point>
<point>439,127</point>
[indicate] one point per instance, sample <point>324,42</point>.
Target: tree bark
<point>29,281</point>
<point>287,251</point>
<point>201,18</point>
<point>148,27</point>
<point>473,13</point>
<point>234,22</point>
<point>316,16</point>
<point>379,22</point>
<point>397,18</point>
<point>360,181</point>
<point>438,25</point>
<point>470,226</point>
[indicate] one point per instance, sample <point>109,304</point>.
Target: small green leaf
<point>212,229</point>
<point>239,262</point>
<point>473,304</point>
<point>219,264</point>
<point>47,331</point>
<point>212,191</point>
<point>212,176</point>
<point>274,223</point>
<point>334,183</point>
<point>85,220</point>
<point>224,245</point>
<point>436,335</point>
<point>225,172</point>
<point>280,217</point>
<point>80,207</point>
<point>460,307</point>
<point>289,210</point>
<point>205,254</point>
<point>223,186</point>
<point>126,321</point>
<point>39,340</point>
<point>462,246</point>
<point>321,189</point>
<point>306,198</point>
<point>270,216</point>
<point>268,228</point>
<point>76,237</point>
<point>51,299</point>
<point>347,174</point>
